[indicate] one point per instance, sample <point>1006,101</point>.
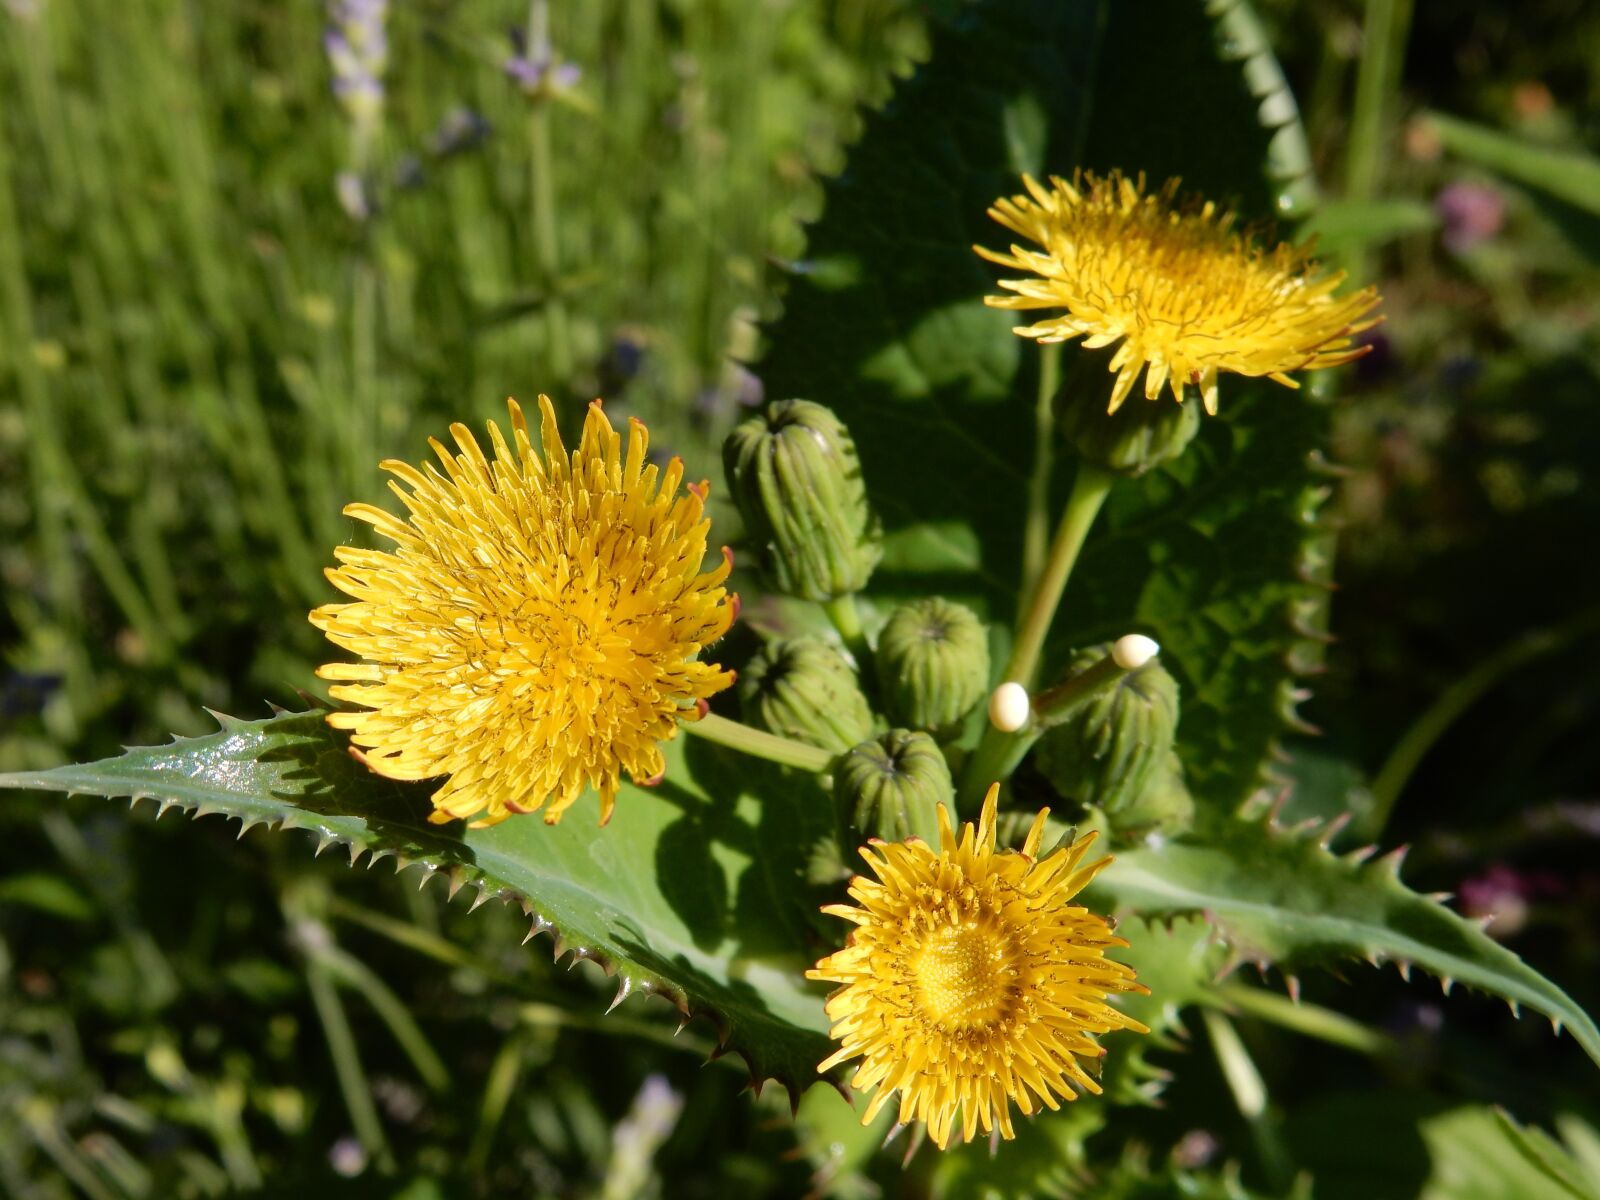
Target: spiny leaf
<point>884,320</point>
<point>1178,961</point>
<point>1280,897</point>
<point>694,891</point>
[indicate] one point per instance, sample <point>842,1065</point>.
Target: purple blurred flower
<point>1471,213</point>
<point>541,74</point>
<point>358,51</point>
<point>1503,894</point>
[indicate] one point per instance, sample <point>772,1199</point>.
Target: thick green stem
<point>1089,491</point>
<point>1036,533</point>
<point>760,744</point>
<point>999,752</point>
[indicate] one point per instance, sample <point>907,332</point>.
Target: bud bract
<point>891,787</point>
<point>933,664</point>
<point>1165,806</point>
<point>1106,751</point>
<point>794,474</point>
<point>806,689</point>
<point>1138,436</point>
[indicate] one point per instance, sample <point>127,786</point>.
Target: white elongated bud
<point>1133,651</point>
<point>1008,707</point>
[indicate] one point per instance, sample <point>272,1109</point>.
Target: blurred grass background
<point>206,352</point>
<point>207,343</point>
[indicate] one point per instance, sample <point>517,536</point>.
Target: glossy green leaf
<point>1281,897</point>
<point>884,320</point>
<point>694,891</point>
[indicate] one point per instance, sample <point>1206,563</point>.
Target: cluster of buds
<point>358,53</point>
<point>1104,733</point>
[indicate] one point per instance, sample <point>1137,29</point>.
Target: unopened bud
<point>1164,807</point>
<point>933,664</point>
<point>891,786</point>
<point>794,474</point>
<point>806,689</point>
<point>1139,435</point>
<point>1106,750</point>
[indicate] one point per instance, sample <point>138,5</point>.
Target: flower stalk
<point>786,752</point>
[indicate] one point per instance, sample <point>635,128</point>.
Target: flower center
<point>965,977</point>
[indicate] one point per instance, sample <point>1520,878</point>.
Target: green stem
<point>502,1082</point>
<point>347,1065</point>
<point>1383,39</point>
<point>998,753</point>
<point>1058,703</point>
<point>1089,491</point>
<point>1250,1095</point>
<point>542,189</point>
<point>1036,532</point>
<point>361,449</point>
<point>781,750</point>
<point>846,618</point>
<point>1311,1020</point>
<point>1459,696</point>
<point>354,973</point>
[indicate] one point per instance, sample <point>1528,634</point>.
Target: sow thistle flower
<point>971,981</point>
<point>1185,293</point>
<point>537,627</point>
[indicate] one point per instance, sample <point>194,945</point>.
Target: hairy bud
<point>794,474</point>
<point>1165,806</point>
<point>933,664</point>
<point>806,689</point>
<point>1107,750</point>
<point>1139,435</point>
<point>891,786</point>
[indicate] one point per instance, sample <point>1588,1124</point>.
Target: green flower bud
<point>806,689</point>
<point>1165,806</point>
<point>1138,436</point>
<point>1106,752</point>
<point>891,786</point>
<point>933,664</point>
<point>795,477</point>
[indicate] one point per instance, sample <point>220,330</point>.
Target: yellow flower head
<point>1184,292</point>
<point>537,626</point>
<point>970,980</point>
